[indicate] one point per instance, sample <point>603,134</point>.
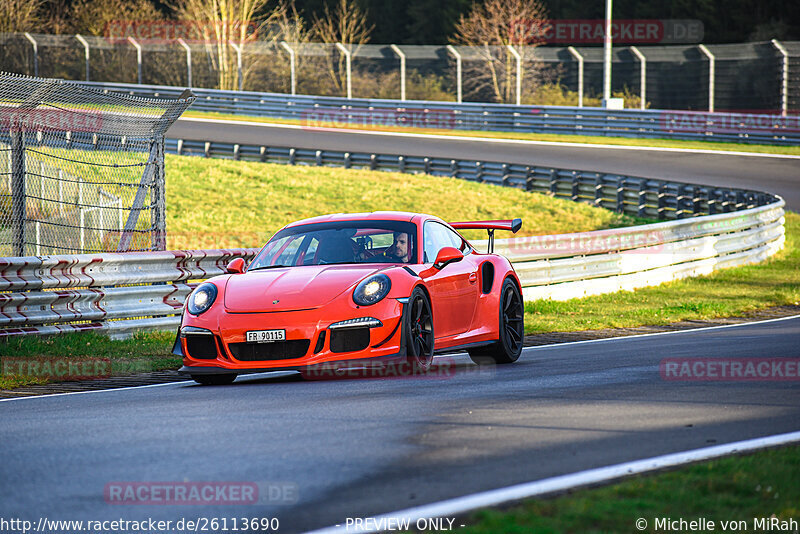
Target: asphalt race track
<point>360,447</point>
<point>772,174</point>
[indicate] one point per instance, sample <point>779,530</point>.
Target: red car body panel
<point>305,300</point>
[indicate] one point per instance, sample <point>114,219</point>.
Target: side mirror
<point>236,266</point>
<point>446,256</point>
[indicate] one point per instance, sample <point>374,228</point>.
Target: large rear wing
<point>510,225</point>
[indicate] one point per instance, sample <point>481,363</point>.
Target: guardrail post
<point>553,182</point>
<point>292,65</point>
<point>85,52</point>
<point>30,38</point>
<point>138,58</point>
<point>18,214</point>
<point>452,50</point>
<point>402,56</point>
<point>188,61</point>
<point>347,161</point>
<point>519,72</point>
<point>575,186</point>
<point>784,77</point>
<point>711,75</point>
<point>621,195</point>
<point>598,190</point>
<point>346,53</point>
<point>579,57</point>
<point>642,198</point>
<point>642,76</point>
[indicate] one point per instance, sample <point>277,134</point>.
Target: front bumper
<point>310,342</point>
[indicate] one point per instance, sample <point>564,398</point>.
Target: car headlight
<point>202,298</point>
<point>372,290</point>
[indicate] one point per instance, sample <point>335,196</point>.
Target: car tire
<point>214,380</point>
<point>418,331</point>
<point>508,348</point>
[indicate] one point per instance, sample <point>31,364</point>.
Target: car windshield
<point>340,243</point>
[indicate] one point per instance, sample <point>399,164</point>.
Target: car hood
<point>292,288</point>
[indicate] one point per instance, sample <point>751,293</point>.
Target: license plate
<point>265,336</point>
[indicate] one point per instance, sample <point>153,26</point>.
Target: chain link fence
<point>81,170</point>
<point>747,76</point>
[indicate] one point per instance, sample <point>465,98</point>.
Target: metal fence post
<point>292,65</point>
<point>346,53</point>
<point>188,61</point>
<point>86,53</point>
<point>238,50</point>
<point>158,199</point>
<point>138,59</point>
<point>452,50</point>
<point>30,38</point>
<point>642,76</point>
<point>18,196</point>
<point>784,77</point>
<point>402,57</point>
<point>519,72</point>
<point>579,57</point>
<point>711,66</point>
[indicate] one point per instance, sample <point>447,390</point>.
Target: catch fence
<point>81,170</point>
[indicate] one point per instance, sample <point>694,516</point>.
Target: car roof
<point>372,216</point>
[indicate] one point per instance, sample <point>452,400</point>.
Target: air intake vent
<point>278,350</point>
<point>349,339</point>
<point>201,347</point>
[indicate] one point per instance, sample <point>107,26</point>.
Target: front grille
<point>349,339</point>
<point>277,350</point>
<point>202,347</point>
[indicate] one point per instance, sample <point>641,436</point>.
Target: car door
<point>454,289</point>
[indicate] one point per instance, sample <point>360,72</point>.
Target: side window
<point>436,237</point>
<point>458,242</point>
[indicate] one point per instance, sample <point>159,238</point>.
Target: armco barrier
<point>316,111</point>
<point>642,197</point>
<point>121,293</point>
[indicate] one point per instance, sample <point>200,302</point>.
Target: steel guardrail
<point>371,113</point>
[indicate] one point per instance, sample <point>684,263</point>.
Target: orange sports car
<point>349,290</point>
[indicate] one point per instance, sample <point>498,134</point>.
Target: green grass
<point>559,138</point>
<point>726,293</point>
<point>214,203</point>
<point>729,489</point>
<point>145,351</point>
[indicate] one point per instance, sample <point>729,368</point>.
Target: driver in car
<point>399,252</point>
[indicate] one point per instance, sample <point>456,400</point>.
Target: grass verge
<point>223,203</point>
<point>557,138</point>
<point>144,352</point>
<point>739,488</point>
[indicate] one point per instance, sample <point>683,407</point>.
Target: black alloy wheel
<point>508,348</point>
<point>419,331</point>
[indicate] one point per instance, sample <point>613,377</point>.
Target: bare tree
<point>93,16</point>
<point>347,25</point>
<point>220,23</point>
<point>19,15</point>
<point>490,28</point>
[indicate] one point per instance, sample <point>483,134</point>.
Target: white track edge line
<point>494,139</point>
<point>526,349</point>
<point>460,505</point>
<point>650,334</point>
